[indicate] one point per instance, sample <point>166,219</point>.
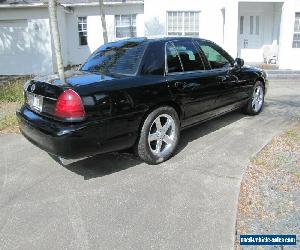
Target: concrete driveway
<point>115,201</point>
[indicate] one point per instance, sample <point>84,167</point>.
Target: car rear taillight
<point>69,105</point>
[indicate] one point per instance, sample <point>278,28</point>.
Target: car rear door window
<point>173,61</point>
<point>154,59</point>
<point>215,56</point>
<point>189,55</point>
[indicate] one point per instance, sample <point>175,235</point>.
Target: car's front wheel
<point>159,135</point>
<point>256,102</point>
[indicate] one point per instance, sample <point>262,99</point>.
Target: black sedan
<point>138,93</point>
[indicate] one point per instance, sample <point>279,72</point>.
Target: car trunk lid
<point>42,93</point>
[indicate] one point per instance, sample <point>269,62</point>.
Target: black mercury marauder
<point>138,93</point>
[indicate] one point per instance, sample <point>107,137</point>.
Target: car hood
<point>254,68</point>
<point>75,78</point>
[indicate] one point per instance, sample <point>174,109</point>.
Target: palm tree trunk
<point>56,38</point>
<point>103,21</point>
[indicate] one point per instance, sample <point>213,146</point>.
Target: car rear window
<point>121,57</point>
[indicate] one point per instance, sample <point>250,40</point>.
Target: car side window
<point>215,56</point>
<point>154,60</point>
<point>189,55</point>
<point>173,61</point>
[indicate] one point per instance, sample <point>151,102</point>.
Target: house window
<point>241,25</point>
<point>257,25</point>
<point>251,25</point>
<point>296,40</point>
<point>254,25</point>
<point>82,31</point>
<point>125,26</point>
<point>183,23</point>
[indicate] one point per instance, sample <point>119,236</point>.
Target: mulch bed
<point>269,201</point>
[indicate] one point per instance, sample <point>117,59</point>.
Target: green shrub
<point>12,91</point>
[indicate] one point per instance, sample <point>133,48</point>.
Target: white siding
<point>210,23</point>
<point>31,49</point>
<point>78,54</point>
<point>140,25</point>
<point>278,24</point>
<point>62,20</point>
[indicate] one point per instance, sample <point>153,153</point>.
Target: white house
<point>257,31</point>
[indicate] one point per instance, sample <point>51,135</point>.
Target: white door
<point>14,47</point>
<point>250,37</point>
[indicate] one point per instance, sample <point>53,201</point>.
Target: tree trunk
<point>103,21</point>
<point>56,38</point>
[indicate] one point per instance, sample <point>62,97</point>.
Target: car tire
<point>255,104</point>
<point>159,135</point>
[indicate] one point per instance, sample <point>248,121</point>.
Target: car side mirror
<point>238,63</point>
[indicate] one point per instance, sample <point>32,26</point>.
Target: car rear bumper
<point>70,141</point>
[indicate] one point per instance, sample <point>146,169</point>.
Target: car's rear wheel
<point>159,135</point>
<point>256,102</point>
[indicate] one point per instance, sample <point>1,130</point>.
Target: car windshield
<point>122,57</point>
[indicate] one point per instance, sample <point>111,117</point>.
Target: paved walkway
<point>114,201</point>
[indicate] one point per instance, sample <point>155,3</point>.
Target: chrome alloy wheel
<point>162,135</point>
<point>257,98</point>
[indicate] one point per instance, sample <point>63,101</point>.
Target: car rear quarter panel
<point>122,104</point>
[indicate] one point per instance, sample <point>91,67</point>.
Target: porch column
<point>287,57</point>
<point>231,27</point>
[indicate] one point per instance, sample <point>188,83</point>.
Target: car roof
<point>159,39</point>
<point>169,38</point>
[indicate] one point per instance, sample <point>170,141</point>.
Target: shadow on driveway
<point>106,164</point>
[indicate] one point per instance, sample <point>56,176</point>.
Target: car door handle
<point>221,79</point>
<point>180,85</point>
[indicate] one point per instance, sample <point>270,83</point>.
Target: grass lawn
<point>11,98</point>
